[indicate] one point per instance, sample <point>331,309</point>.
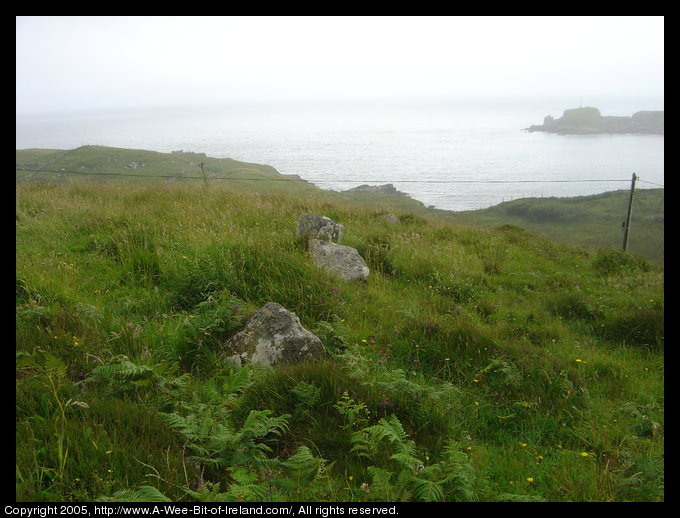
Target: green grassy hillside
<point>475,364</point>
<point>99,163</point>
<point>591,221</point>
<point>594,221</point>
<point>118,163</point>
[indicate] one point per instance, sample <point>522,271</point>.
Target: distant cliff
<point>587,121</point>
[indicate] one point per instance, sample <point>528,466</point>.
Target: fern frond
<point>259,424</point>
<point>391,428</point>
<point>407,461</point>
<point>243,476</point>
<point>248,493</point>
<point>362,446</point>
<point>188,426</point>
<point>54,366</point>
<point>122,370</point>
<point>382,489</point>
<point>141,494</point>
<point>303,466</point>
<point>237,382</point>
<point>454,473</point>
<point>306,394</point>
<point>209,492</point>
<point>366,442</point>
<point>426,491</point>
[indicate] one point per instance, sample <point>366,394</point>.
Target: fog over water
<point>434,105</point>
<point>452,154</point>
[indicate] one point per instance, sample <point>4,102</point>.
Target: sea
<point>454,154</point>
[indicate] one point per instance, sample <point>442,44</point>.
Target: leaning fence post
<point>630,208</point>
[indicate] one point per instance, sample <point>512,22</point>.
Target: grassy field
<point>475,364</point>
<point>100,163</point>
<point>593,221</point>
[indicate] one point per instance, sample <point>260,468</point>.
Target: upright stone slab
<point>273,336</point>
<point>340,260</point>
<point>320,227</point>
<point>391,218</point>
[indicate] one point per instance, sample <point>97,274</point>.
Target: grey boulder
<point>340,260</point>
<point>319,227</point>
<point>273,336</point>
<point>391,218</point>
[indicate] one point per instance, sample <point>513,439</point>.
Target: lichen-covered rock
<point>319,227</point>
<point>273,336</point>
<point>340,260</point>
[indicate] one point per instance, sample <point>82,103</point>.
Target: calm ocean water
<point>455,155</point>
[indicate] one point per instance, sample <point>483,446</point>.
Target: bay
<point>453,154</point>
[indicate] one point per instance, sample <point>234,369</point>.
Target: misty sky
<point>83,63</point>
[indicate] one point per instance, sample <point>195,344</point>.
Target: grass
<point>593,221</point>
<point>475,364</point>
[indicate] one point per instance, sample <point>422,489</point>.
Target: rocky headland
<point>388,188</point>
<point>589,121</point>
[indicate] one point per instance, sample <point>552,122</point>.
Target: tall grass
<point>474,364</point>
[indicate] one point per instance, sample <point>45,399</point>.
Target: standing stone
<point>273,336</point>
<point>340,260</point>
<point>391,218</point>
<point>319,227</point>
